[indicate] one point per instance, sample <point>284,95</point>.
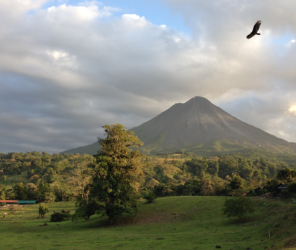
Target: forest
<point>62,177</point>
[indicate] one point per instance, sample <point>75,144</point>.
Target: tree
<point>149,196</point>
<point>236,182</point>
<point>20,191</point>
<point>271,186</point>
<point>45,193</point>
<point>286,175</point>
<point>2,197</point>
<point>112,190</point>
<point>43,209</point>
<point>238,207</point>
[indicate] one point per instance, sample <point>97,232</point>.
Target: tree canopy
<point>112,190</point>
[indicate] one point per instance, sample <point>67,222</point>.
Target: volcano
<point>200,127</point>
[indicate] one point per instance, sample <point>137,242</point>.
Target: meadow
<point>184,222</point>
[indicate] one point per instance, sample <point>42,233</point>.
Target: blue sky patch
<point>154,11</point>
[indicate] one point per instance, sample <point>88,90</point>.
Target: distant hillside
<point>91,149</point>
<point>200,127</point>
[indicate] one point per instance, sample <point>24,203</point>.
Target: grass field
<point>192,222</point>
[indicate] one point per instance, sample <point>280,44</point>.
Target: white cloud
<point>289,44</point>
<point>134,20</point>
<point>64,13</point>
<point>66,71</point>
<point>292,110</point>
<point>62,59</point>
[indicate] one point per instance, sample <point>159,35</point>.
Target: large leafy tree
<point>112,190</point>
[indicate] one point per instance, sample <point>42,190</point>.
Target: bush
<point>60,216</point>
<point>272,185</point>
<point>238,207</point>
<point>149,196</point>
<point>43,209</point>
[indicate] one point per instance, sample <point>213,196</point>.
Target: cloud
<point>67,70</point>
<point>292,110</point>
<point>289,44</point>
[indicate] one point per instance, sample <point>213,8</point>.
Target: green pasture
<point>192,222</point>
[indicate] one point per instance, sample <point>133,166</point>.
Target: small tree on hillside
<point>43,209</point>
<point>112,189</point>
<point>238,207</point>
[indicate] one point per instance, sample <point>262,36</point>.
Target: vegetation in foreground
<point>185,222</point>
<point>47,178</point>
<point>110,183</point>
<point>112,190</point>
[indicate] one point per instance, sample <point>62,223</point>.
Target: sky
<point>69,67</point>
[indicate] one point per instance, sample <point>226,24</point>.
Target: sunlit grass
<point>170,223</point>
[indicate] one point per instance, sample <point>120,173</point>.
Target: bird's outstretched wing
<point>256,27</point>
<point>255,30</point>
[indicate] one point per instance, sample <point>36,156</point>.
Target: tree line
<point>111,181</point>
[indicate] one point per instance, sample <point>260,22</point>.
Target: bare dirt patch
<point>290,243</point>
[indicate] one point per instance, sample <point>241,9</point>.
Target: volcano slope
<point>200,127</point>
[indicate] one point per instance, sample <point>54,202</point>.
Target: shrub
<point>84,209</point>
<point>43,209</point>
<point>60,216</point>
<point>238,207</point>
<point>149,196</point>
<point>272,185</point>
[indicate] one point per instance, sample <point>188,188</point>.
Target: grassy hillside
<point>219,147</point>
<point>192,222</point>
<point>91,149</point>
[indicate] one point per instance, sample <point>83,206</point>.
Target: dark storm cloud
<point>66,71</point>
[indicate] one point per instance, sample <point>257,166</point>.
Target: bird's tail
<point>258,33</point>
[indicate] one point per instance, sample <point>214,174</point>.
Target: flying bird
<point>255,30</point>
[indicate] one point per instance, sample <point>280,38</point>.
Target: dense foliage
<point>112,190</point>
<point>60,216</point>
<point>238,207</point>
<point>43,177</point>
<point>149,196</point>
<point>61,177</point>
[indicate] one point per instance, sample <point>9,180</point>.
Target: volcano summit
<point>201,127</point>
